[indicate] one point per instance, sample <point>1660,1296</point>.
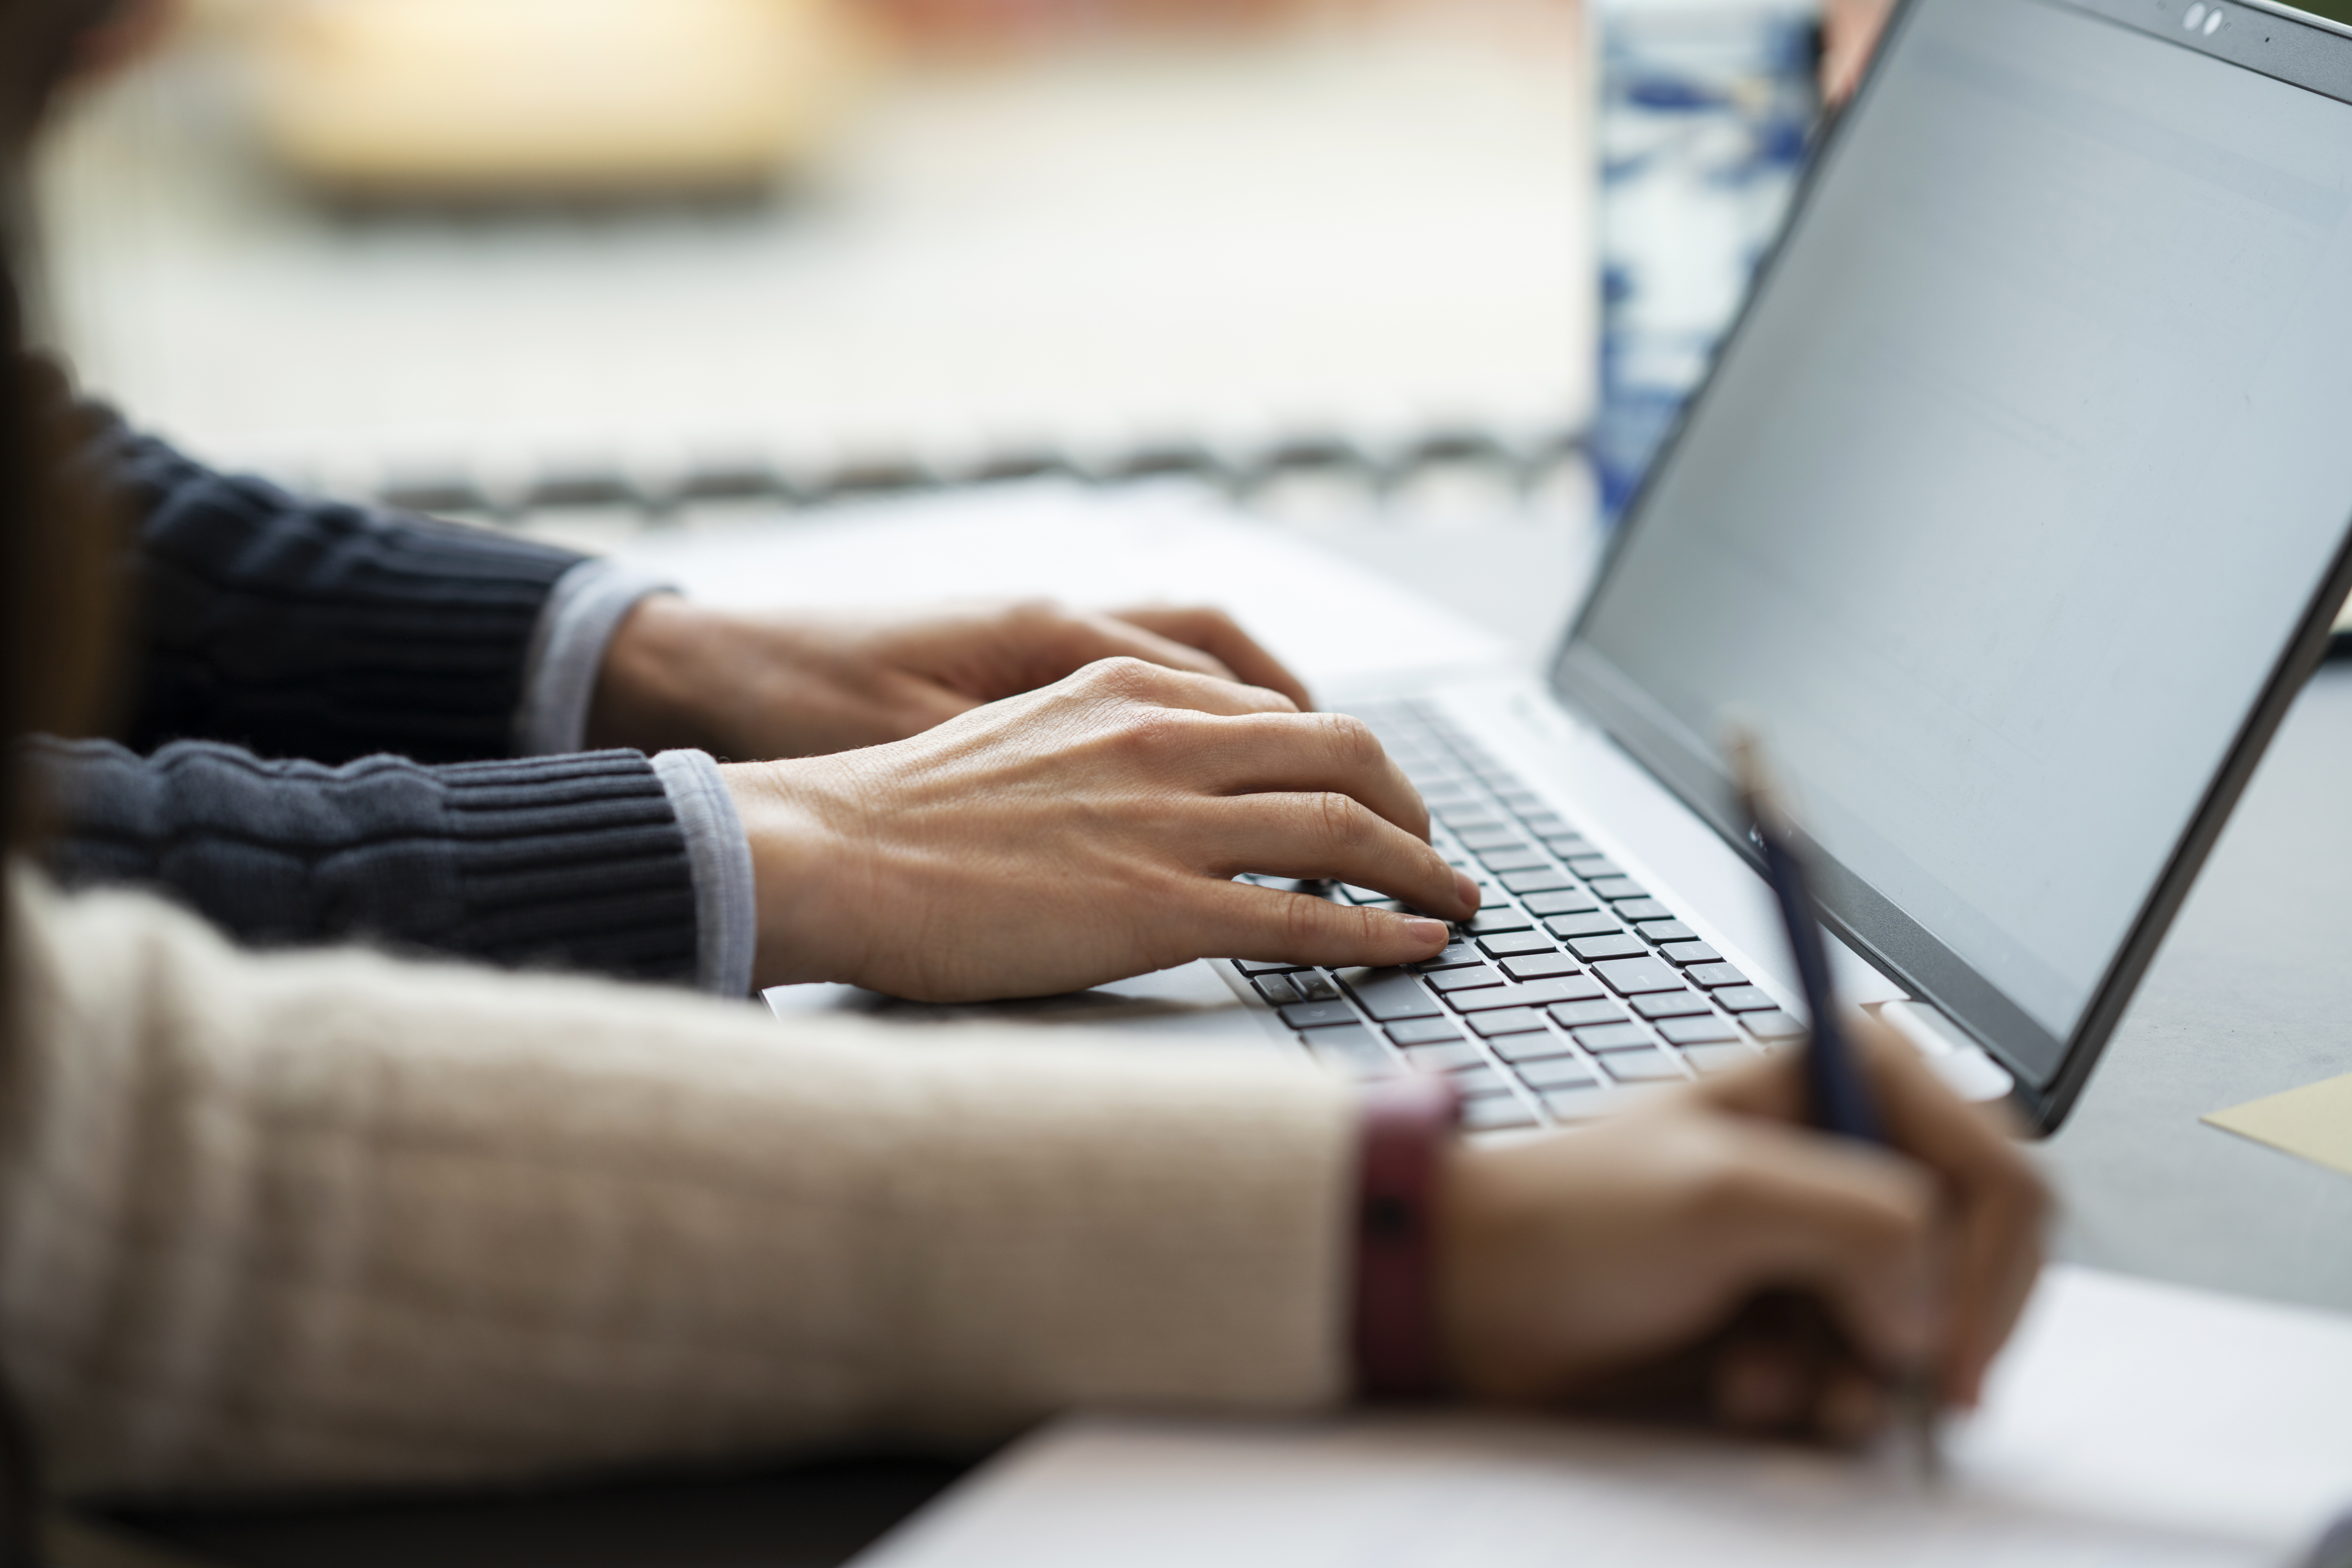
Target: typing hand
<point>798,684</point>
<point>1085,833</point>
<point>1652,1260</point>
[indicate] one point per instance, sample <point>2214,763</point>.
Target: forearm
<point>330,1219</point>
<point>302,627</point>
<point>578,861</point>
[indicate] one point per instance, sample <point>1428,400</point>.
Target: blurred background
<point>594,268</point>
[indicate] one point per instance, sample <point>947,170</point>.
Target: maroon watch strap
<point>1406,1121</point>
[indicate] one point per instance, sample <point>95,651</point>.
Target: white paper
<point>1332,620</point>
<point>2130,1425</point>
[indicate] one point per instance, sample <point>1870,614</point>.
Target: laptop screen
<point>2014,484</point>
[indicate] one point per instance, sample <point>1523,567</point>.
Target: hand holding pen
<point>1710,1253</point>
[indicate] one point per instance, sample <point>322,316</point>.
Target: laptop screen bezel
<point>2303,51</point>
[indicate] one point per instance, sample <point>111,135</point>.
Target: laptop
<point>2014,512</point>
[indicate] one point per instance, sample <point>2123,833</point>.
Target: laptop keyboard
<point>1573,984</point>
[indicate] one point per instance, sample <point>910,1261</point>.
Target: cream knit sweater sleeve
<point>335,1218</point>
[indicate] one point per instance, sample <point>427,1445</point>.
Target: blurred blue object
<point>1706,115</point>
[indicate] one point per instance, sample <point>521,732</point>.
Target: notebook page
<point>2131,1424</point>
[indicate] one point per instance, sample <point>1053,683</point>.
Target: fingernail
<point>1436,933</point>
<point>1466,886</point>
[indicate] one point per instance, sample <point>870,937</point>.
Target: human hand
<point>1619,1264</point>
<point>805,684</point>
<point>1085,833</point>
<point>1849,34</point>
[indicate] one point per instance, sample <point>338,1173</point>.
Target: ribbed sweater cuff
<point>725,913</point>
<point>585,609</point>
<point>578,860</point>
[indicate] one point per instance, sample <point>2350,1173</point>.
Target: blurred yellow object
<point>490,98</point>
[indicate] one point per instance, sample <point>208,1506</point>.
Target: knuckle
<point>1304,920</point>
<point>1120,676</point>
<point>1351,739</point>
<point>1151,731</point>
<point>1341,821</point>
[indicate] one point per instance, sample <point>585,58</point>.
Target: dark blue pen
<point>1837,1099</point>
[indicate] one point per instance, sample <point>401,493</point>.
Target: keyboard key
<point>1491,998</point>
<point>1714,975</point>
<point>1468,816</point>
<point>1502,918</point>
<point>1485,836</point>
<point>1317,1015</point>
<point>1517,944</point>
<point>1390,994</point>
<point>1456,955</point>
<point>1452,980</point>
<point>1363,894</point>
<point>1615,888</point>
<point>1643,1067</point>
<point>1568,902</point>
<point>1530,1047</point>
<point>1644,909</point>
<point>1444,1057</point>
<point>1744,999</point>
<point>1689,952</point>
<point>1515,796</point>
<point>1665,930</point>
<point>1519,858</point>
<point>1593,867</point>
<point>1544,965</point>
<point>1494,1115</point>
<point>1423,1032</point>
<point>1544,882</point>
<point>1479,1083</point>
<point>1604,1038</point>
<point>1697,1031</point>
<point>1276,989</point>
<point>1352,1051</point>
<point>1578,1104</point>
<point>1712,1058</point>
<point>1560,1072</point>
<point>1593,948</point>
<point>1629,976</point>
<point>1544,993</point>
<point>1669,1004</point>
<point>1545,824</point>
<point>1576,1014</point>
<point>1258,966</point>
<point>1599,922</point>
<point>1567,843</point>
<point>1509,1021</point>
<point>1314,987</point>
<point>1771,1026</point>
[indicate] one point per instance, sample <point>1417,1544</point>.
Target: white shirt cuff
<point>567,651</point>
<point>726,912</point>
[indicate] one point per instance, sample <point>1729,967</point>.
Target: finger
<point>1855,1225</point>
<point>1218,634</point>
<point>1235,920</point>
<point>1329,835</point>
<point>1309,751</point>
<point>1996,1203</point>
<point>1139,680</point>
<point>1098,637</point>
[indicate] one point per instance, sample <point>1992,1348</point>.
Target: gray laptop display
<point>2015,509</point>
<point>2013,514</point>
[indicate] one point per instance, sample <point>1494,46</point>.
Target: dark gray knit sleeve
<point>573,862</point>
<point>308,628</point>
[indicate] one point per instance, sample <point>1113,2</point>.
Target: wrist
<point>803,874</point>
<point>1407,1135</point>
<point>649,688</point>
